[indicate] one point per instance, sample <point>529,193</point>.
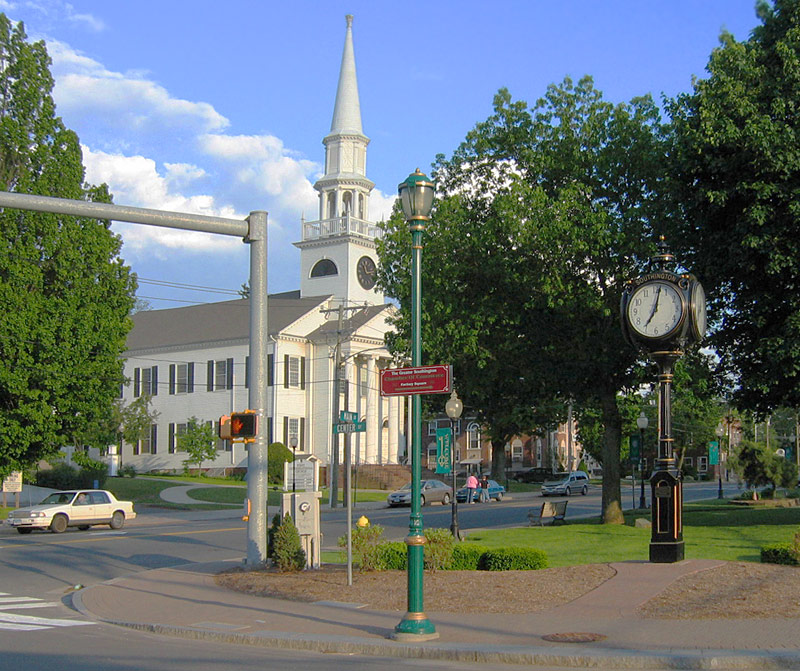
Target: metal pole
<point>642,500</point>
<point>334,491</point>
<point>454,507</point>
<point>257,458</point>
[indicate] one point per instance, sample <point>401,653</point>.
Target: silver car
<point>566,483</point>
<point>431,491</point>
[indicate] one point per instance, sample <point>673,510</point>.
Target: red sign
<point>419,380</point>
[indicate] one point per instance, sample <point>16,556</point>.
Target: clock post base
<point>666,553</point>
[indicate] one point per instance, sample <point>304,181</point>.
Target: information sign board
<point>417,380</point>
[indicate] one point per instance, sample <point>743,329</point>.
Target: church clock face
<point>366,272</point>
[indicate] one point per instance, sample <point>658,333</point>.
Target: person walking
<point>484,493</point>
<point>472,485</point>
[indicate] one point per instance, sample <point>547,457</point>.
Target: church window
<point>331,205</point>
<point>362,210</point>
<point>324,268</point>
<point>347,200</point>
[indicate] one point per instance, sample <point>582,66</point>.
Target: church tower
<point>337,252</point>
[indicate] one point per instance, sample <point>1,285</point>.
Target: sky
<point>220,108</point>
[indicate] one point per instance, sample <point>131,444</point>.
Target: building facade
<point>192,362</point>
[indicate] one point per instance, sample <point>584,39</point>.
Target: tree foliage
<point>736,171</point>
<point>64,291</point>
<point>198,441</point>
<point>543,214</point>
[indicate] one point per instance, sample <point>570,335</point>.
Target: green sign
<point>635,449</point>
<point>348,417</point>
<point>444,450</point>
<point>713,453</point>
<point>350,427</point>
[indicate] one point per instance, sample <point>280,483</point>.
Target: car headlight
<point>38,514</point>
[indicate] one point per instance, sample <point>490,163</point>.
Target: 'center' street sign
<point>350,427</point>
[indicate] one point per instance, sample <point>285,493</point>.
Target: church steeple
<point>347,109</point>
<point>337,252</point>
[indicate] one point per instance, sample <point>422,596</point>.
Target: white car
<point>566,484</point>
<point>78,508</point>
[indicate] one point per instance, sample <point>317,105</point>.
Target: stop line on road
<point>16,622</point>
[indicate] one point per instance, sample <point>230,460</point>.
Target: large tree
<point>543,214</point>
<point>737,175</point>
<point>65,294</point>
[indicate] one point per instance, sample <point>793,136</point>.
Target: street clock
<point>662,309</point>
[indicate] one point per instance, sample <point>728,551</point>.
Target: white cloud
<point>380,205</point>
<point>134,180</point>
<point>92,22</point>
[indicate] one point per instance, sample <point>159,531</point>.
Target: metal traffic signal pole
<point>253,231</point>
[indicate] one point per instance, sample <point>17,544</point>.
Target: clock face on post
<point>655,310</point>
<point>366,272</point>
<point>699,311</point>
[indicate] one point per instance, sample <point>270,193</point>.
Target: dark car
<point>496,492</point>
<point>534,475</point>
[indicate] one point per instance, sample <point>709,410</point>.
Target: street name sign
<point>347,416</point>
<point>417,380</point>
<point>350,427</point>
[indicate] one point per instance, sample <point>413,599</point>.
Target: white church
<point>193,361</point>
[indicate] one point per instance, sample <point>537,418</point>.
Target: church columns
<point>373,416</point>
<point>394,429</point>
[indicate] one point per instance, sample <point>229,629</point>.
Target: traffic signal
<point>244,425</point>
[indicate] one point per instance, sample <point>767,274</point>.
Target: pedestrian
<point>484,494</point>
<point>472,485</point>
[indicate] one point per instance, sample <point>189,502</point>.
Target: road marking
<point>17,622</point>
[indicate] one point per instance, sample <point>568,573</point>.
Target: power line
<point>189,287</point>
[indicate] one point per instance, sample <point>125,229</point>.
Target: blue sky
<point>220,108</point>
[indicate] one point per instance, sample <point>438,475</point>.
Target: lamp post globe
<point>641,422</point>
<point>454,407</point>
<point>416,196</point>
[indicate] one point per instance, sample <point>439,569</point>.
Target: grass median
<point>711,530</point>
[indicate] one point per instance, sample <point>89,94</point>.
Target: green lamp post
<point>416,196</point>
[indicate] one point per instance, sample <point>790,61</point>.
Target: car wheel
<point>84,527</point>
<point>59,524</point>
<point>445,499</point>
<point>117,520</point>
<point>584,490</point>
<point>499,496</point>
<point>567,491</point>
<point>422,500</point>
<point>24,530</point>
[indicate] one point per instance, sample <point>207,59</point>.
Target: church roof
<point>209,323</point>
<point>347,109</point>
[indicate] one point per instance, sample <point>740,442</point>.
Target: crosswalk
<point>18,622</point>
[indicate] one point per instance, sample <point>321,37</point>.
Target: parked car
<point>496,492</point>
<point>78,508</point>
<point>534,475</point>
<point>566,484</point>
<point>431,491</point>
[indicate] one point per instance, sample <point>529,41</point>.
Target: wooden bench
<point>551,512</point>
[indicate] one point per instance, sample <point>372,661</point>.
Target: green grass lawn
<point>711,531</point>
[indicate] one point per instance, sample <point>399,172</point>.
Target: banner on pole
<point>713,453</point>
<point>444,450</point>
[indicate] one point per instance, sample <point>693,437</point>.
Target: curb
<point>559,657</point>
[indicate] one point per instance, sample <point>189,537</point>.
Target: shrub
<point>780,553</point>
<point>365,543</point>
<point>276,522</point>
<point>61,476</point>
<point>467,557</point>
<point>514,559</point>
<point>392,556</point>
<point>438,549</point>
<point>287,553</point>
<point>277,455</point>
<point>127,471</point>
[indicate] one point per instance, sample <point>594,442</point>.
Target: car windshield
<point>59,497</point>
<point>405,487</point>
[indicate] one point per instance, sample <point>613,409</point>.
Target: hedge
<point>514,559</point>
<point>779,553</point>
<point>467,557</point>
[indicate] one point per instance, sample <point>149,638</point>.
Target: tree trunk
<point>612,435</point>
<point>498,458</point>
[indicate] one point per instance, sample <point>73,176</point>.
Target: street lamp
<point>416,197</point>
<point>720,432</point>
<point>293,443</point>
<point>454,408</point>
<point>641,422</point>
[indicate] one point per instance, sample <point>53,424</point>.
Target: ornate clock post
<point>663,312</point>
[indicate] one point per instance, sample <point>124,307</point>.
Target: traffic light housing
<point>244,425</point>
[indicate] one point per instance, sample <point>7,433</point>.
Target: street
<point>40,631</point>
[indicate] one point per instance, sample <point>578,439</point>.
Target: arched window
<point>347,202</point>
<point>331,205</point>
<point>323,268</point>
<point>474,436</point>
<point>362,210</point>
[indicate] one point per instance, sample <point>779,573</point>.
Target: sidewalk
<point>184,601</point>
